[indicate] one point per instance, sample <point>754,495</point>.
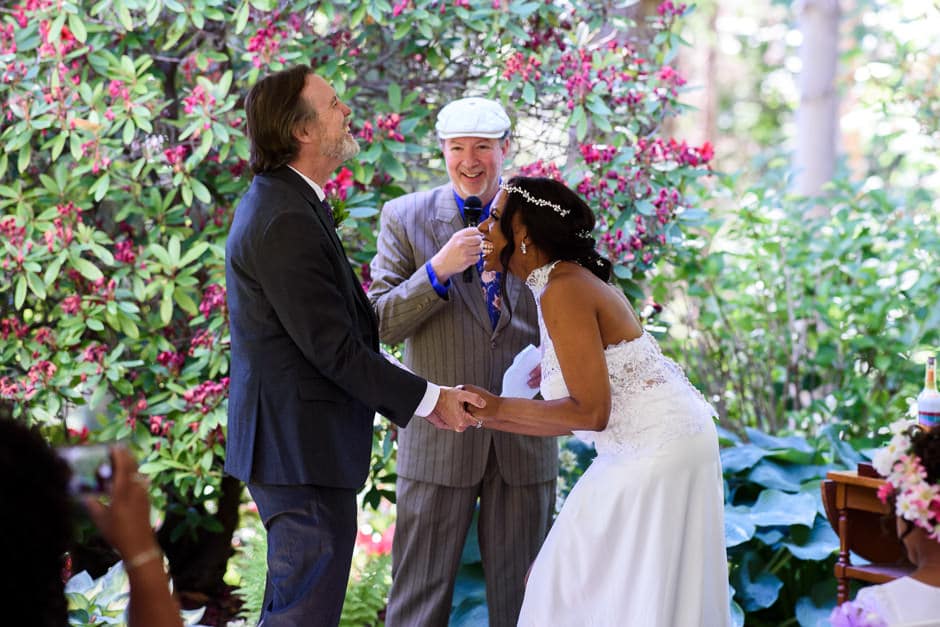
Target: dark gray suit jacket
<point>450,342</point>
<point>306,374</point>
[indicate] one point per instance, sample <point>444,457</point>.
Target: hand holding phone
<point>91,468</point>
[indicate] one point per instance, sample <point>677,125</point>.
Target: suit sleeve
<point>299,277</point>
<point>401,291</point>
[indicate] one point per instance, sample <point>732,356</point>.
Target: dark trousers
<point>311,534</point>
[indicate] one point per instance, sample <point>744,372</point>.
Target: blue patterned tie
<point>490,281</point>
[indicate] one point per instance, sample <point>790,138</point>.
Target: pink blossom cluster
<point>339,185</point>
<point>376,543</point>
<point>42,371</point>
<point>524,67</point>
<point>98,161</point>
<point>400,7</point>
<point>30,6</point>
<point>160,426</point>
<point>206,395</point>
<point>202,338</point>
<point>592,153</point>
<point>658,151</point>
<point>388,124</point>
<point>916,499</point>
<point>134,407</point>
<point>540,168</point>
<point>13,233</point>
<point>7,39</point>
<point>213,298</point>
<point>670,9</point>
<point>577,68</point>
<point>13,326</point>
<point>175,156</point>
<point>172,361</point>
<point>71,304</point>
<point>365,274</point>
<point>79,436</point>
<point>44,336</point>
<point>65,45</point>
<point>198,99</point>
<point>266,43</point>
<point>59,232</point>
<point>668,75</point>
<point>125,252</point>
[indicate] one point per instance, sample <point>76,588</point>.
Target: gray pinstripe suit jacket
<point>450,342</point>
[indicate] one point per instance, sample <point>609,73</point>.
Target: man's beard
<point>344,148</point>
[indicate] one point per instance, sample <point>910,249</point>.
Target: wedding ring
<point>479,423</point>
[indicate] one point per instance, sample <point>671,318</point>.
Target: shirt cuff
<point>427,404</point>
<point>432,277</point>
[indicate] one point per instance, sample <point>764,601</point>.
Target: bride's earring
<point>522,247</point>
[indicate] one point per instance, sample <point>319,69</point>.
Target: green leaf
<point>20,296</point>
<point>394,96</point>
<point>185,301</point>
<point>193,254</point>
<point>166,304</point>
<point>88,270</point>
<point>816,544</point>
<point>241,17</point>
<point>528,93</point>
<point>129,327</point>
<point>22,161</point>
<point>173,248</point>
<point>77,26</point>
<point>200,190</point>
<point>36,286</point>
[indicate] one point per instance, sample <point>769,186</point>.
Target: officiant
<point>430,292</point>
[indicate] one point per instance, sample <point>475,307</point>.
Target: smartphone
<point>91,467</point>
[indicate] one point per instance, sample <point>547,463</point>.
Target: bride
<point>640,539</point>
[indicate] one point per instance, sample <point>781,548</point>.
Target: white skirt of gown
<point>639,542</point>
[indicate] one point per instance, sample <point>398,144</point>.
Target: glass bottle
<point>928,401</point>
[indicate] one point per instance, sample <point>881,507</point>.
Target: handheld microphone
<point>472,210</point>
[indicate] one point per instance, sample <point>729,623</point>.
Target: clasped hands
<point>462,407</point>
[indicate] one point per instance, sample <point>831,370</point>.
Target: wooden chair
<point>861,522</point>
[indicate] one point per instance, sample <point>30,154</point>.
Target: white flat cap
<point>472,117</point>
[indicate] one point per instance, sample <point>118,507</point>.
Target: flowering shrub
<point>123,156</point>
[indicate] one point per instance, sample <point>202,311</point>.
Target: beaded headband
<point>539,202</point>
<point>916,500</point>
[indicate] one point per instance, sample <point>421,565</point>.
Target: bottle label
<point>928,418</point>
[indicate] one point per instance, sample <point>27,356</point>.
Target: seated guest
<point>36,528</point>
<point>911,464</point>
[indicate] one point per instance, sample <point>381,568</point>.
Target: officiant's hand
<point>453,409</point>
<point>535,377</point>
<point>460,252</point>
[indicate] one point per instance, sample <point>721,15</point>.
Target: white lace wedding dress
<point>640,540</point>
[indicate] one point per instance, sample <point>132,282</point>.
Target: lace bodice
<point>652,401</point>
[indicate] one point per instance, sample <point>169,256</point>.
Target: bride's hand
<point>485,413</point>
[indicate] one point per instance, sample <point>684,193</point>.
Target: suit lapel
<point>445,223</point>
<point>514,288</point>
<point>327,222</point>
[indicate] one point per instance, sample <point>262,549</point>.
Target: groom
<point>306,375</point>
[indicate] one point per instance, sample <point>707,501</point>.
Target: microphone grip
<point>472,213</point>
<point>468,272</point>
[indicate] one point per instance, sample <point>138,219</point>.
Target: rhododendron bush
<point>123,155</point>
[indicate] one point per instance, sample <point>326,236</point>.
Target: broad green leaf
<point>88,270</point>
<point>166,304</point>
<point>20,296</point>
<point>77,26</point>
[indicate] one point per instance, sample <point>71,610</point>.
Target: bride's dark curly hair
<point>562,237</point>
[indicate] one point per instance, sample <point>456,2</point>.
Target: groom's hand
<point>452,409</point>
